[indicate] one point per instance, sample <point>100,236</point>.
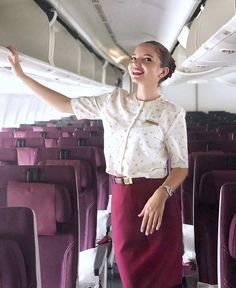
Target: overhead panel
<point>66,49</point>
<point>110,75</point>
<point>25,25</point>
<point>179,55</point>
<point>98,70</point>
<point>86,62</point>
<point>215,14</point>
<point>193,39</point>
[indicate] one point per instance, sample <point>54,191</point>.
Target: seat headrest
<point>50,202</point>
<point>12,265</point>
<point>232,237</point>
<point>83,169</point>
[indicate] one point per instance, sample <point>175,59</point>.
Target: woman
<point>142,131</point>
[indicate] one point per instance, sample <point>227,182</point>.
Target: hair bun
<point>172,67</point>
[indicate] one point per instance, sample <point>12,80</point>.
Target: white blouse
<point>139,136</point>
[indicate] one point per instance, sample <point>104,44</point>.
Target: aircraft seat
<point>52,191</point>
<point>19,261</point>
<point>206,222</point>
<point>227,236</point>
<point>8,156</point>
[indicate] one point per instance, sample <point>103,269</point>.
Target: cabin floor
<point>114,278</point>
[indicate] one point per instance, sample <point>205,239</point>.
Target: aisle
<point>114,280</point>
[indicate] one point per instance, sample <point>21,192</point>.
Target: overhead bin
<point>86,62</point>
<point>26,26</point>
<point>65,49</point>
<point>215,14</point>
<point>179,55</point>
<point>98,70</point>
<point>110,78</point>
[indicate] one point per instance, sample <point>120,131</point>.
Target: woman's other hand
<point>153,211</point>
<point>15,62</point>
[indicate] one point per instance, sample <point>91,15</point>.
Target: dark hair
<point>165,57</point>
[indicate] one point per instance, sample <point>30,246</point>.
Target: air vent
<point>228,51</point>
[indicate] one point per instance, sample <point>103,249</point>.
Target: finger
<point>149,224</point>
<point>154,224</point>
<point>159,222</point>
<point>142,213</point>
<point>12,49</point>
<point>144,223</point>
<point>10,60</point>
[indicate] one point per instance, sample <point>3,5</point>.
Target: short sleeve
<point>89,107</point>
<point>176,142</point>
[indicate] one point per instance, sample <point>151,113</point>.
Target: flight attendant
<point>145,146</point>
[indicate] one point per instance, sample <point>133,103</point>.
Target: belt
<point>127,180</point>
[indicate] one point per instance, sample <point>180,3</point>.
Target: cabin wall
<point>209,96</point>
<point>18,109</point>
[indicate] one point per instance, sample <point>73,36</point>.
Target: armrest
<point>100,259</point>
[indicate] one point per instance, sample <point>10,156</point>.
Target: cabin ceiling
<point>81,38</point>
<point>114,28</point>
<point>133,22</point>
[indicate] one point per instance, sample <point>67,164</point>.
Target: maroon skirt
<point>153,261</point>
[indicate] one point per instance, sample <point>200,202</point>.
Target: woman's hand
<point>15,62</point>
<point>153,211</point>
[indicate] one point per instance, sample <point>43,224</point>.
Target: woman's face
<point>145,65</point>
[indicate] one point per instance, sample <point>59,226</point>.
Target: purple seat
<point>87,193</point>
<point>197,145</point>
<point>223,145</point>
<point>32,156</point>
<point>6,134</point>
<point>78,141</point>
<point>19,261</point>
<point>8,156</point>
<point>37,134</point>
<point>81,134</point>
<point>21,142</point>
<point>206,212</point>
<point>201,162</point>
<point>8,142</point>
<point>45,128</point>
<point>30,142</point>
<point>58,246</point>
<point>205,162</point>
<point>227,236</point>
<point>7,129</point>
<point>86,175</point>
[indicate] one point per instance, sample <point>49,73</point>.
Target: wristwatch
<point>169,190</point>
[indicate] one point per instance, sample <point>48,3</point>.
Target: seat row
<point>64,201</point>
<point>200,199</point>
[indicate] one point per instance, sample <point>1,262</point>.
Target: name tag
<point>152,122</point>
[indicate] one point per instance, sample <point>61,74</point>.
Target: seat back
<point>87,193</point>
<point>53,188</point>
<point>206,212</point>
<point>197,145</point>
<point>19,261</point>
<point>227,236</point>
<point>201,161</point>
<point>223,145</point>
<point>79,141</point>
<point>8,156</point>
<point>32,156</point>
<point>210,161</point>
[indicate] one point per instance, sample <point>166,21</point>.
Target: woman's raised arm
<point>56,99</point>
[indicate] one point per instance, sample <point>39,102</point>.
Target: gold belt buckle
<point>127,180</point>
